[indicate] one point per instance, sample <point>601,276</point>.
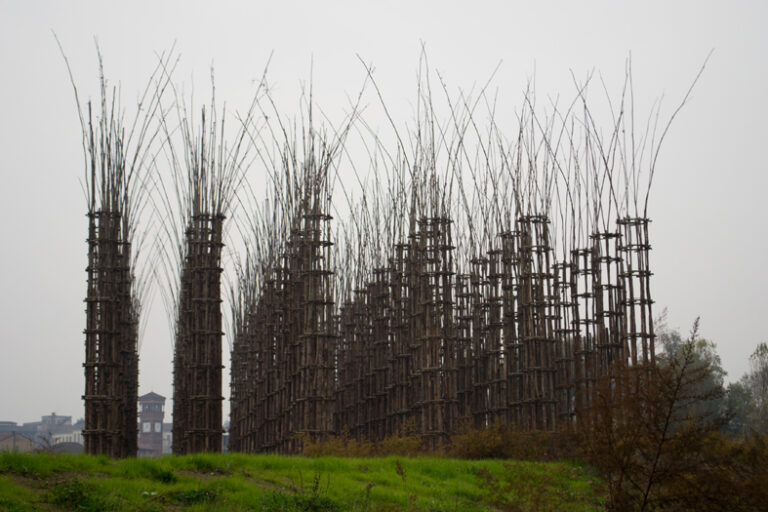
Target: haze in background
<point>707,204</point>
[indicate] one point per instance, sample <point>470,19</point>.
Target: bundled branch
<point>285,343</point>
<point>116,191</point>
<point>196,202</point>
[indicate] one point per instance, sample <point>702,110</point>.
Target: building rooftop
<point>151,396</point>
<point>9,435</point>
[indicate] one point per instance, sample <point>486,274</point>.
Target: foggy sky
<point>708,203</point>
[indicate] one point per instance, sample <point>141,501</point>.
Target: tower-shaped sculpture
<point>204,179</point>
<point>115,191</point>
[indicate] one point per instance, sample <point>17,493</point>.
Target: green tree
<point>740,407</point>
<point>758,362</point>
<point>755,384</point>
<point>704,360</point>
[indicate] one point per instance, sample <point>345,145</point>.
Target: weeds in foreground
<point>405,444</point>
<point>400,470</point>
<point>75,495</point>
<point>520,488</point>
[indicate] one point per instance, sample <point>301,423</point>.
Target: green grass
<point>271,482</point>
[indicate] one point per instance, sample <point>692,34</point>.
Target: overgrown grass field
<point>272,482</point>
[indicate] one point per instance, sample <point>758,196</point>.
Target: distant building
<point>50,430</point>
<point>151,414</point>
<point>67,447</point>
<point>8,426</point>
<point>15,442</point>
<point>167,438</point>
<point>76,436</point>
<point>27,429</point>
<point>32,430</point>
<point>54,422</point>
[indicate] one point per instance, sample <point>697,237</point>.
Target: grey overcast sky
<point>708,204</point>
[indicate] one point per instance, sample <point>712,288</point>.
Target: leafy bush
<point>407,445</point>
<point>497,442</point>
<point>509,442</point>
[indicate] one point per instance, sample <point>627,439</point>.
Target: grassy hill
<point>271,482</point>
